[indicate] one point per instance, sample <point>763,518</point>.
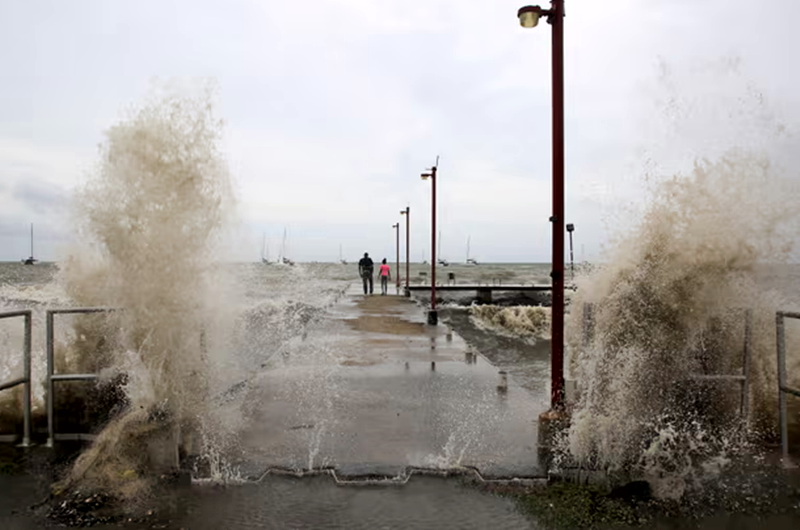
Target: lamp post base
<point>551,423</point>
<point>433,317</point>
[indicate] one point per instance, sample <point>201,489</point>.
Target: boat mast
<point>31,239</point>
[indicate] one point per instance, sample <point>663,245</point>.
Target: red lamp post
<point>407,213</point>
<point>529,18</point>
<point>396,226</point>
<point>433,316</point>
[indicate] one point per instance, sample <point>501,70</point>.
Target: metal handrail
<point>783,387</point>
<point>26,378</point>
<point>743,378</point>
<point>52,377</point>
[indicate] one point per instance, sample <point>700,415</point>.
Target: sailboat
<point>265,248</point>
<point>284,260</point>
<point>470,261</point>
<point>31,260</point>
<point>441,261</point>
<point>341,260</point>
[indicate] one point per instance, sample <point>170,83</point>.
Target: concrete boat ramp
<point>376,392</point>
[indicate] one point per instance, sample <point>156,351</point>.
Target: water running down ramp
<point>377,392</point>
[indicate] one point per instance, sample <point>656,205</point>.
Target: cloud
<point>40,197</point>
<point>332,110</point>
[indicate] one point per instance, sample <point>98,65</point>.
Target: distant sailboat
<point>443,262</point>
<point>265,251</point>
<point>470,261</point>
<point>31,260</point>
<point>341,259</point>
<point>284,260</point>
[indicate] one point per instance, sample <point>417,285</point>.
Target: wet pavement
<point>376,390</point>
<point>358,394</point>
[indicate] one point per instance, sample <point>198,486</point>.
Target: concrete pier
<point>377,391</point>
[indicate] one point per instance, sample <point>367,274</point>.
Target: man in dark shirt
<point>365,267</point>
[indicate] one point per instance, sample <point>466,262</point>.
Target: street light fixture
<point>407,213</point>
<point>529,18</point>
<point>433,316</point>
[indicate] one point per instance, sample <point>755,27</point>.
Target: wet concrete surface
<point>377,389</point>
<point>311,502</point>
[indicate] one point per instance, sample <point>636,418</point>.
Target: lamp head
<point>529,16</point>
<point>570,227</point>
<point>425,176</point>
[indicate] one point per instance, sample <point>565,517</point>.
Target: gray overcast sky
<point>333,108</point>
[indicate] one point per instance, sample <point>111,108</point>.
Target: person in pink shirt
<point>386,275</point>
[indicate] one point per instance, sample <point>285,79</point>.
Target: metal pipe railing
<point>13,383</point>
<point>26,376</point>
<point>743,378</point>
<point>783,387</point>
<point>52,377</point>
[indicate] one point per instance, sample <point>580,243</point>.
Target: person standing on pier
<point>386,276</point>
<point>365,268</point>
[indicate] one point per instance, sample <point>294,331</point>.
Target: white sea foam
<point>669,304</point>
<point>150,220</point>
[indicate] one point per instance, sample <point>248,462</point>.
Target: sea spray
<point>669,304</point>
<point>532,323</point>
<point>150,219</point>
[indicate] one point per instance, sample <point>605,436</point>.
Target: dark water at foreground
<point>279,502</point>
<point>289,503</point>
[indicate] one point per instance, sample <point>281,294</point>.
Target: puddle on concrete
<point>386,324</point>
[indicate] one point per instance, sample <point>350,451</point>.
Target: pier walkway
<point>376,391</point>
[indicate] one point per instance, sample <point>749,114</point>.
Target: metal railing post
<point>783,385</point>
<point>781,343</point>
<point>49,382</point>
<point>26,397</point>
<point>25,380</point>
<point>53,378</point>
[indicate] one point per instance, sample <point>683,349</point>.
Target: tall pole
<point>433,317</point>
<point>407,213</point>
<point>397,268</point>
<point>557,330</point>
